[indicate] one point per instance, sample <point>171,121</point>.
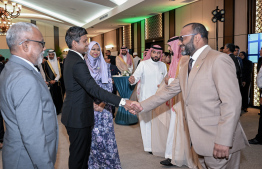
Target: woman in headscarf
<point>103,151</point>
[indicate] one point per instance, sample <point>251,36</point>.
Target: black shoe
<point>245,110</point>
<point>166,162</point>
<point>150,153</point>
<point>254,141</point>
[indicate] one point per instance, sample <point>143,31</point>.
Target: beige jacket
<point>212,102</point>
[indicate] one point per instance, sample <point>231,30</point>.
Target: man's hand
<point>243,84</point>
<point>52,82</point>
<point>47,83</point>
<point>166,80</point>
<point>133,107</point>
<point>131,79</point>
<point>221,151</point>
<point>98,108</point>
<point>136,107</point>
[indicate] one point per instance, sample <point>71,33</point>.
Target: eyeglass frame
<point>41,42</point>
<point>181,37</point>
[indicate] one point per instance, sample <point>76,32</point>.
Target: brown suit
<point>212,102</point>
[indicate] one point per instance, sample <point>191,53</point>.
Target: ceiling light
<point>38,16</point>
<point>118,2</point>
<point>50,13</point>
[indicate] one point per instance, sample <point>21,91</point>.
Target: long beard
<point>189,48</point>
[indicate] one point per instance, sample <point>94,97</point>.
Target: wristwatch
<point>122,102</point>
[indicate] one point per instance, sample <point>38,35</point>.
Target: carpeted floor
<point>131,152</point>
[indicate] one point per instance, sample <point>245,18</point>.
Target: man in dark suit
<point>2,131</point>
<point>112,58</point>
<point>81,89</point>
<point>229,49</point>
<point>258,138</point>
<point>114,71</point>
<point>259,62</point>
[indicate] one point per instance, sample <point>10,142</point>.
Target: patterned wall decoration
<point>258,29</point>
<point>258,16</point>
<point>256,89</point>
<point>153,27</point>
<point>127,40</point>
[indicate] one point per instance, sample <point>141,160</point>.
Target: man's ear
<point>74,43</point>
<point>25,46</point>
<point>198,37</point>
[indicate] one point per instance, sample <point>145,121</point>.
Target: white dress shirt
<point>31,64</point>
<point>196,54</point>
<point>78,53</point>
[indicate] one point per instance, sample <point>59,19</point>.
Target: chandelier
<point>4,26</point>
<point>6,14</point>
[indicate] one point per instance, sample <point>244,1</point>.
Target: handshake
<point>133,107</point>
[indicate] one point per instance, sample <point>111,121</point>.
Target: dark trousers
<point>80,143</point>
<point>259,132</point>
<point>57,96</point>
<point>2,130</point>
<point>245,96</point>
<point>113,107</point>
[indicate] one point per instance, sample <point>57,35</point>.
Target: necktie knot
<point>190,64</point>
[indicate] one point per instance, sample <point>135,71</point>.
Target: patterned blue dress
<point>103,151</point>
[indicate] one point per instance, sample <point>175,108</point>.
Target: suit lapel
<point>199,62</point>
<point>183,75</point>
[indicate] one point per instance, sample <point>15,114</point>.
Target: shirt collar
<point>77,53</point>
<point>198,52</point>
<point>31,64</point>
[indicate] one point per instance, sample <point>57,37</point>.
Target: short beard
<point>189,48</point>
<point>40,59</point>
<point>155,60</point>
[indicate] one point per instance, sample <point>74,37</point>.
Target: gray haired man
<point>31,136</point>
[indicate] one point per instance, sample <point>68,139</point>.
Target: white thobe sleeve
<point>165,69</point>
<point>57,77</point>
<point>138,72</point>
<point>170,80</point>
<point>130,69</point>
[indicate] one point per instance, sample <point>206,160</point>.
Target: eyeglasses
<point>41,42</point>
<point>181,38</point>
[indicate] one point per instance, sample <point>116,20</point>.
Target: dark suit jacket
<point>81,88</point>
<point>247,70</point>
<point>238,69</point>
<point>112,59</point>
<point>1,66</point>
<point>114,70</point>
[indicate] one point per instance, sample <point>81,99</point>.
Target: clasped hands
<point>133,107</point>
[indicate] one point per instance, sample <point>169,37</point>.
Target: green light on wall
<point>169,8</point>
<point>134,19</point>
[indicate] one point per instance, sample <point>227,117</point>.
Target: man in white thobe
<point>136,59</point>
<point>150,72</point>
